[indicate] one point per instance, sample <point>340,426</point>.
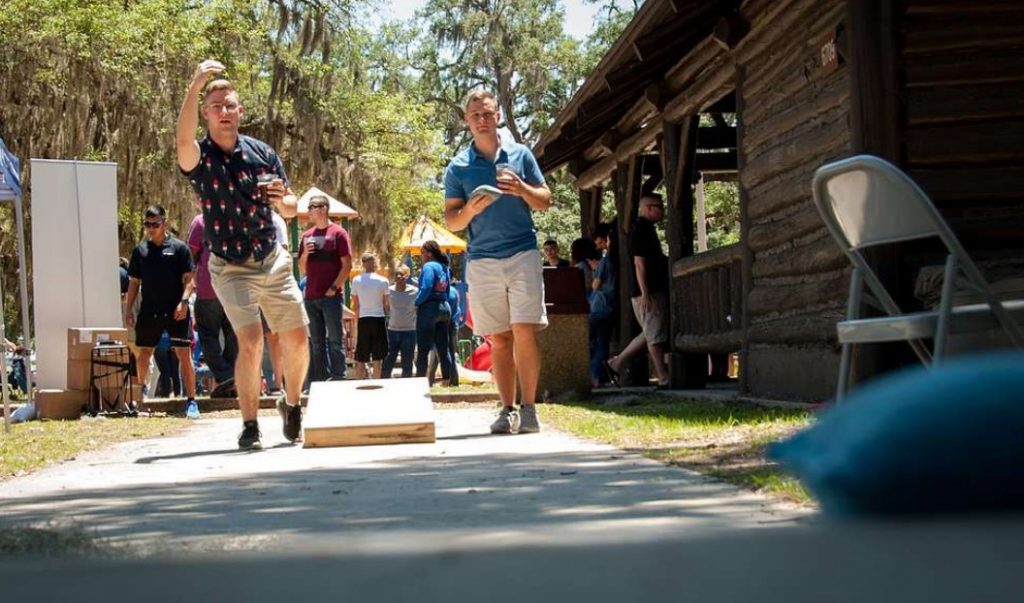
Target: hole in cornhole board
<point>361,413</point>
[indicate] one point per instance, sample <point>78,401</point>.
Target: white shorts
<point>507,291</point>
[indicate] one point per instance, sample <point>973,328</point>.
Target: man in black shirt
<point>649,292</point>
<point>551,255</point>
<point>163,266</point>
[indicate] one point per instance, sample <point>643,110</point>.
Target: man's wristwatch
<point>335,288</point>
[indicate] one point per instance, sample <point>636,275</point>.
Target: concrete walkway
<point>538,518</point>
<point>196,491</point>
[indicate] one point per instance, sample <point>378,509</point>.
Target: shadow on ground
<point>493,495</point>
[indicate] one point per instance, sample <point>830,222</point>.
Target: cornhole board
<point>367,412</point>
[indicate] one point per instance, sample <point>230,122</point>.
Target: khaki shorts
<point>655,322</point>
<point>244,289</point>
<point>507,291</point>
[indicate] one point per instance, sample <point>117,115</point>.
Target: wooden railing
<point>708,301</point>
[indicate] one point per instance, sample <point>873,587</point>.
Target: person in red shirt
<point>325,257</point>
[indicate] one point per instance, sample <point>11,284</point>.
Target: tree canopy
<point>365,110</point>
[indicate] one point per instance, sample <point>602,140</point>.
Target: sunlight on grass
<point>36,444</point>
<point>727,441</point>
<point>466,388</point>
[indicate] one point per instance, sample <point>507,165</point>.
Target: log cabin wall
<point>795,117</point>
<point>962,71</point>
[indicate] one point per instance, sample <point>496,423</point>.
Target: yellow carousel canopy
<point>424,229</point>
<point>335,209</point>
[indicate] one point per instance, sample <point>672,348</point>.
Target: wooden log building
<point>935,86</point>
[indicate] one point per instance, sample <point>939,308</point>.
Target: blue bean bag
<point>919,442</point>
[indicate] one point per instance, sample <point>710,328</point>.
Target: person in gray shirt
<point>401,324</point>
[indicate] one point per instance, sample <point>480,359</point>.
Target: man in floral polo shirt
<point>236,179</point>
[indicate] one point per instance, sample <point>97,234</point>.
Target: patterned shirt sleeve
<point>278,167</point>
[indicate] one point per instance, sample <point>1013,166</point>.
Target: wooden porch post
<point>628,180</point>
<point>590,210</point>
<point>679,147</point>
<point>747,257</point>
<point>875,129</point>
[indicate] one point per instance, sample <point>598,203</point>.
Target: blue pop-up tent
<point>10,192</point>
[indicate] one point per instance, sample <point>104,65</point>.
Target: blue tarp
<point>10,174</point>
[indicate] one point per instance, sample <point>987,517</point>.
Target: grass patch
<point>36,444</point>
<point>727,441</point>
<point>466,388</point>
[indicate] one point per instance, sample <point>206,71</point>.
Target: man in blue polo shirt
<point>506,289</point>
<point>236,179</point>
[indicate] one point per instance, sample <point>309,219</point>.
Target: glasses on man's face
<point>399,276</point>
<point>152,224</point>
<point>317,207</point>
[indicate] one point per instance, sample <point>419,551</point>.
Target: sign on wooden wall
<point>830,50</point>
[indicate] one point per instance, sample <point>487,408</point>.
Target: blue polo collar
<point>503,147</point>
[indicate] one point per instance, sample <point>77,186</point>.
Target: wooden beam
<point>726,104</point>
<point>718,83</point>
<point>716,138</point>
<point>725,342</point>
<point>656,96</point>
<point>703,262</point>
<point>602,170</point>
<point>607,143</point>
<point>652,173</point>
<point>730,29</point>
<point>576,167</point>
<point>717,162</point>
<point>676,31</point>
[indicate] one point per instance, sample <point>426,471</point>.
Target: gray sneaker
<point>507,421</point>
<point>528,421</point>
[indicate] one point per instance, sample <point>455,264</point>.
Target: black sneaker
<point>250,437</point>
<point>291,416</point>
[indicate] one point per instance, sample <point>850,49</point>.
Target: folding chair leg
<point>852,310</point>
<point>945,308</point>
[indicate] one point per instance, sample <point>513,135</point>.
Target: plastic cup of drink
<point>501,167</point>
<point>262,184</point>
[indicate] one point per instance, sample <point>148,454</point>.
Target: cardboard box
<point>82,340</point>
<point>78,374</point>
<point>61,403</point>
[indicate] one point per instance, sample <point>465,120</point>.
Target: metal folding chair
<point>867,201</point>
